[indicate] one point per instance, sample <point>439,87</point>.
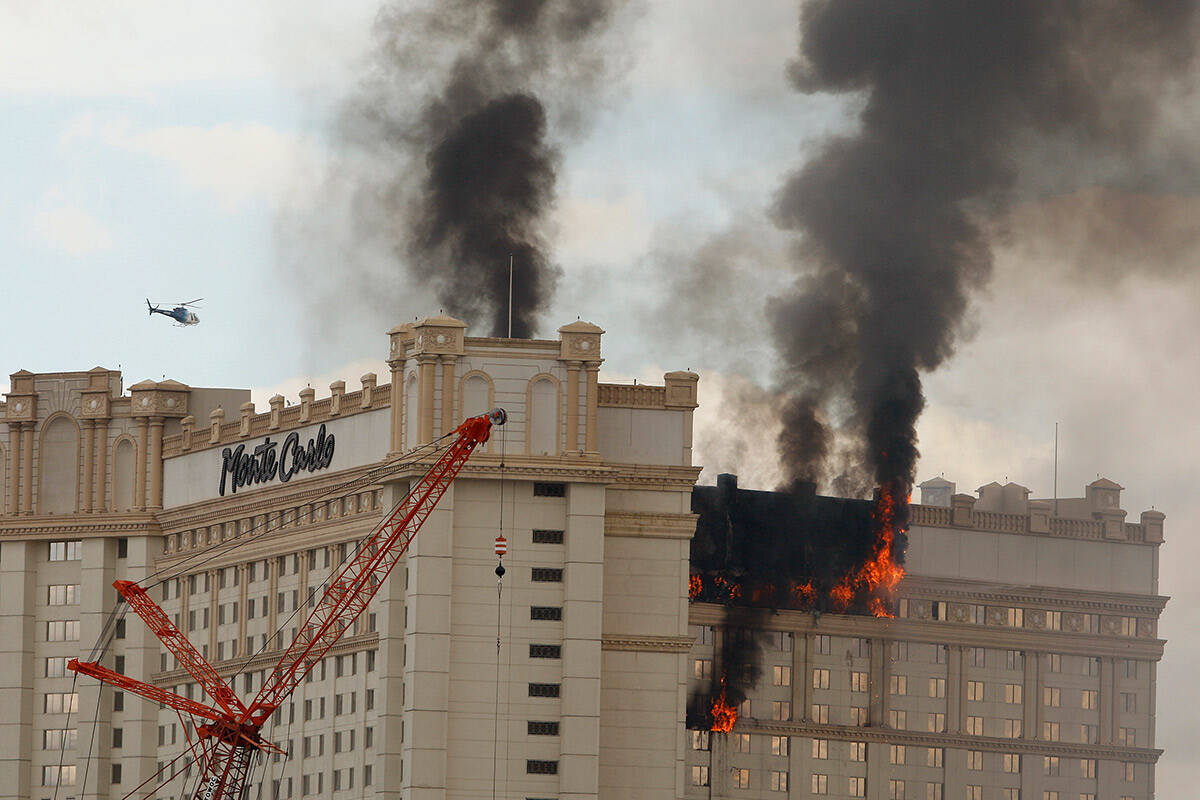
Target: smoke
<point>448,153</point>
<point>964,109</point>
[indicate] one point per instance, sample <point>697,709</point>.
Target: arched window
<point>475,396</point>
<point>122,476</point>
<point>411,421</point>
<point>543,417</point>
<point>58,462</point>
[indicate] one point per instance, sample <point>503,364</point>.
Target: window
<point>1051,696</point>
<point>546,575</point>
<point>56,667</point>
<point>896,754</point>
<point>1130,668</point>
<point>1129,626</point>
<point>1014,693</point>
<point>933,791</point>
<point>1089,734</point>
<point>54,775</point>
<point>820,713</point>
<point>976,656</point>
<point>937,723</point>
<point>1012,729</point>
<point>975,726</point>
<point>116,773</point>
<point>823,644</point>
<point>535,767</point>
<point>553,613</point>
<point>1011,763</point>
<point>934,756</point>
<point>1127,737</point>
<point>541,690</point>
<point>974,690</point>
<point>858,681</point>
<point>779,745</point>
<point>974,760</point>
<point>940,653</point>
<point>550,490</point>
<point>899,651</point>
<point>1128,771</point>
<point>897,719</point>
<point>820,748</point>
<point>700,740</point>
<point>1087,767</point>
<point>941,610</point>
<point>702,669</point>
<point>820,784</point>
<point>937,687</point>
<point>781,710</point>
<point>1050,795</point>
<point>62,594</point>
<point>858,715</point>
<point>1016,618</point>
<point>1050,731</point>
<point>65,551</point>
<point>741,742</point>
<point>59,738</point>
<point>534,728</point>
<point>741,778</point>
<point>1088,699</point>
<point>895,790</point>
<point>779,781</point>
<point>1015,659</point>
<point>1054,620</point>
<point>1054,662</point>
<point>820,679</point>
<point>548,537</point>
<point>60,630</point>
<point>898,684</point>
<point>60,703</point>
<point>1050,766</point>
<point>1010,793</point>
<point>858,751</point>
<point>781,676</point>
<point>545,651</point>
<point>1128,701</point>
<point>857,786</point>
<point>699,776</point>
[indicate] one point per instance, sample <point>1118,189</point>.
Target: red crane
<point>230,733</point>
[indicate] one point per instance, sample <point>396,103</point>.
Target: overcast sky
<point>176,150</point>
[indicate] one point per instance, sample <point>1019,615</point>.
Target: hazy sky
<point>175,150</point>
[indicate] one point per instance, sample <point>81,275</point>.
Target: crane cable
<point>499,618</point>
<point>119,610</point>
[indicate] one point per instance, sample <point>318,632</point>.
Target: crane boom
<point>233,731</point>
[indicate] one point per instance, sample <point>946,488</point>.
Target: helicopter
<point>180,313</point>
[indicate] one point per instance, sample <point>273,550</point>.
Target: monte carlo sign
<point>241,466</point>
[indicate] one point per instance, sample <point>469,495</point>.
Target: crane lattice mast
<point>230,733</point>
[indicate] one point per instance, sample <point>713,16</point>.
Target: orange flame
<point>695,585</point>
<point>880,575</point>
<point>804,593</point>
<point>724,715</point>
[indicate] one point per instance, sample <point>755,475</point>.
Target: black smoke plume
<point>456,132</point>
<point>963,106</point>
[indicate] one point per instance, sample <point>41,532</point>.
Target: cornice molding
<point>649,525</point>
<point>80,526</point>
<point>233,667</point>
<point>952,740</point>
<point>647,644</point>
<point>1054,599</point>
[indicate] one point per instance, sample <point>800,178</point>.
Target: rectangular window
<point>549,490</point>
<point>545,651</point>
<point>820,713</point>
<point>546,575</point>
<point>820,679</point>
<point>741,742</point>
<point>937,723</point>
<point>553,613</point>
<point>62,594</point>
<point>699,776</point>
<point>59,738</point>
<point>1130,668</point>
<point>898,684</point>
<point>976,656</point>
<point>858,681</point>
<point>1088,699</point>
<point>1054,620</point>
<point>544,689</point>
<point>1016,617</point>
<point>823,644</point>
<point>1089,734</point>
<point>975,726</point>
<point>858,715</point>
<point>897,754</point>
<point>1012,729</point>
<point>702,669</point>
<point>781,676</point>
<point>62,630</point>
<point>536,728</point>
<point>548,537</point>
<point>779,745</point>
<point>1054,662</point>
<point>1050,795</point>
<point>56,667</point>
<point>60,703</point>
<point>1015,659</point>
<point>895,790</point>
<point>700,740</point>
<point>55,775</point>
<point>1011,762</point>
<point>535,767</point>
<point>858,751</point>
<point>1050,731</point>
<point>1051,696</point>
<point>941,610</point>
<point>897,719</point>
<point>1087,768</point>
<point>974,793</point>
<point>1050,766</point>
<point>856,786</point>
<point>820,748</point>
<point>899,651</point>
<point>1129,626</point>
<point>820,784</point>
<point>66,551</point>
<point>1128,771</point>
<point>781,710</point>
<point>974,760</point>
<point>1128,701</point>
<point>1014,693</point>
<point>937,687</point>
<point>934,756</point>
<point>974,690</point>
<point>741,778</point>
<point>779,781</point>
<point>933,791</point>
